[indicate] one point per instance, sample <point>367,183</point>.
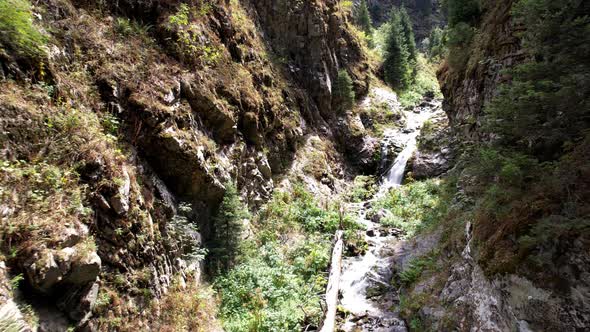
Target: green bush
<point>415,206</point>
<point>425,83</point>
<point>17,31</point>
<point>416,267</point>
<point>364,187</point>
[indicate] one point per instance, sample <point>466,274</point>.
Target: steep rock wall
<point>494,47</point>
<point>140,106</point>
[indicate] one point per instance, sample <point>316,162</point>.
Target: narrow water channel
<point>365,283</point>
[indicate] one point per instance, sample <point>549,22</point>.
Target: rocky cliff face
<point>139,106</point>
<point>467,87</point>
<point>468,295</point>
<point>425,14</point>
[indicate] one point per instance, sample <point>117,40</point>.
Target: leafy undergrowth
<point>281,273</point>
<point>363,188</point>
<point>425,83</point>
<point>414,207</point>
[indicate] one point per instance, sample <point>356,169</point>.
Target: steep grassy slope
<point>116,117</point>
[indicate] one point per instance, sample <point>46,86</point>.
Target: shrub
<point>17,31</point>
<point>276,283</point>
<point>364,187</point>
<point>415,206</point>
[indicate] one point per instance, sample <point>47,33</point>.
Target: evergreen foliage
<point>409,39</point>
<point>547,103</point>
<point>228,229</point>
<point>400,51</point>
<point>17,31</point>
<point>462,11</point>
<point>343,93</point>
<point>534,175</point>
<point>437,44</point>
<point>364,18</point>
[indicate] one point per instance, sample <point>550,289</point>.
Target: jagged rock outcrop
<point>140,108</point>
<point>467,88</point>
<point>310,36</point>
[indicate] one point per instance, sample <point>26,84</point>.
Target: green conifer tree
<point>228,228</point>
<point>397,68</point>
<point>364,18</point>
<point>343,93</point>
<point>408,34</point>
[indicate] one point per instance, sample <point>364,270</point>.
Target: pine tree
<point>436,43</point>
<point>408,33</point>
<point>343,93</point>
<point>228,228</point>
<point>364,19</point>
<point>397,66</point>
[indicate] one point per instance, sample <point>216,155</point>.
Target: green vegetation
<point>183,229</point>
<point>364,187</point>
<point>188,42</point>
<point>400,51</point>
<point>363,18</point>
<point>458,11</point>
<point>415,206</point>
<point>280,272</point>
<point>416,267</point>
<point>436,46</point>
<point>343,93</point>
<point>18,34</point>
<point>228,229</point>
<point>425,83</point>
<point>533,178</point>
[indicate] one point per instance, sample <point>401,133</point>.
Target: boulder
<point>84,268</point>
<point>43,272</point>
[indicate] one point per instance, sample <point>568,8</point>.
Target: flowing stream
<point>365,283</point>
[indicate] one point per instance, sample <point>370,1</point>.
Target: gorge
<point>171,165</point>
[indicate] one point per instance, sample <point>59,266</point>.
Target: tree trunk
<point>333,284</point>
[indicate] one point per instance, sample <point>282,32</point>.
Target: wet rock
<point>428,165</point>
<point>378,216</point>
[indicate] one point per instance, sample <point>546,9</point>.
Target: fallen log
<point>329,323</point>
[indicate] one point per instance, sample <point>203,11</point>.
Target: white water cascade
<point>365,282</point>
